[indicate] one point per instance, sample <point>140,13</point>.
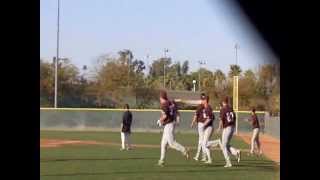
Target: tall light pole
<point>128,62</point>
<point>147,68</point>
<point>236,46</point>
<point>194,85</point>
<point>200,63</point>
<point>56,61</point>
<point>164,67</point>
<point>148,64</point>
<point>84,69</point>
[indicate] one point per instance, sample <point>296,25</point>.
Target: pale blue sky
<point>190,29</point>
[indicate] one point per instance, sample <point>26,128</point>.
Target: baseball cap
<point>203,96</point>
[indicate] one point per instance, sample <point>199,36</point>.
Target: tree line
<point>122,79</point>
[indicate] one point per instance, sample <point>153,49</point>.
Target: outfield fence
<point>143,120</point>
<point>272,125</point>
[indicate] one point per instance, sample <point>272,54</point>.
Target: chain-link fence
<point>144,120</point>
<point>272,125</point>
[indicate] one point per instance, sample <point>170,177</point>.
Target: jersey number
<point>230,116</point>
<point>204,114</point>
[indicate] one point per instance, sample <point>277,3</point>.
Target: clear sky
<point>191,29</point>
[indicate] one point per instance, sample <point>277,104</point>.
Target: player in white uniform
<point>167,120</point>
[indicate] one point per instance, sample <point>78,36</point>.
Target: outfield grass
<point>103,162</point>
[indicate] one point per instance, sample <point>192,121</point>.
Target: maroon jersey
<point>208,114</point>
<point>198,113</point>
<point>173,110</point>
<point>255,121</point>
<point>168,112</point>
<point>227,116</point>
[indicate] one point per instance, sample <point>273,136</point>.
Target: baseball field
<point>96,155</point>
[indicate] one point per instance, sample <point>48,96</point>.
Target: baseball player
<point>126,129</point>
<point>176,116</point>
<point>198,120</point>
<point>228,117</point>
<point>207,117</point>
<point>255,134</point>
<point>167,121</point>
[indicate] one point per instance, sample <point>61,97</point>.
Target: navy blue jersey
<point>126,121</point>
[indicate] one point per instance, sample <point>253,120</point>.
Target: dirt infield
<point>47,143</point>
<point>51,143</point>
<point>270,145</point>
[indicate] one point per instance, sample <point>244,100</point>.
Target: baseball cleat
<point>260,153</point>
<point>228,165</point>
<point>204,159</point>
<point>121,149</point>
<point>196,159</point>
<point>160,163</point>
<point>239,156</point>
<point>208,162</point>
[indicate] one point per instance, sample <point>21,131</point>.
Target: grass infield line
<point>134,110</point>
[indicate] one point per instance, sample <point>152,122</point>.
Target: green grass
<point>107,162</point>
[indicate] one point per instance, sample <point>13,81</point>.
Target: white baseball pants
<point>206,136</point>
<point>227,134</point>
<point>200,149</point>
<point>255,140</point>
<point>125,140</point>
<point>168,138</point>
<point>208,144</point>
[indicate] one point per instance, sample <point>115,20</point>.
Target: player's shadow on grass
<point>221,164</point>
<point>196,165</point>
<point>258,162</point>
<point>93,159</point>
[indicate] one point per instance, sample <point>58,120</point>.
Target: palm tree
<point>219,75</point>
<point>235,70</point>
<point>126,56</point>
<point>220,80</point>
